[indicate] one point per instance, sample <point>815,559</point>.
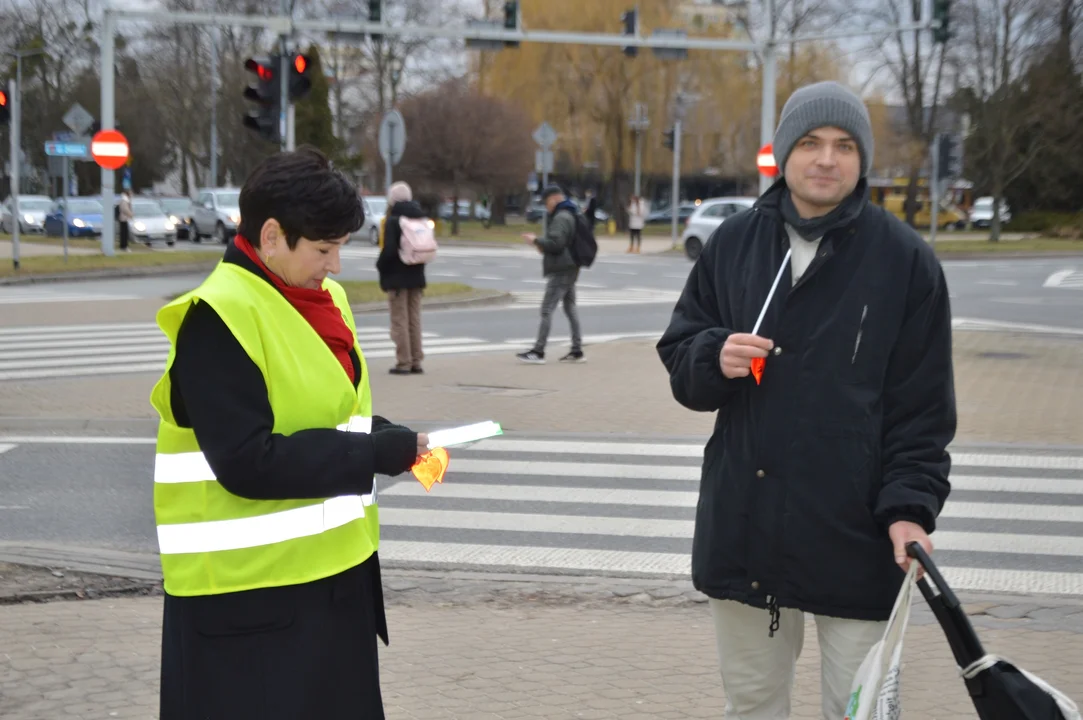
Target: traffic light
<point>941,20</point>
<point>5,111</point>
<point>631,28</point>
<point>511,20</point>
<point>266,92</point>
<point>376,13</point>
<point>300,79</point>
<point>668,138</point>
<point>949,160</point>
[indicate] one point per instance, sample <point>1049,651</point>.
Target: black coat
<point>394,273</point>
<point>847,433</point>
<point>277,653</point>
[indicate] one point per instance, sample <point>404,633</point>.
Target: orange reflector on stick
<point>758,364</point>
<point>430,467</point>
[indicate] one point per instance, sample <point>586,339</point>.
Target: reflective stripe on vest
<point>216,535</point>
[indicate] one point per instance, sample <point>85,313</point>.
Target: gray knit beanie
<point>823,104</point>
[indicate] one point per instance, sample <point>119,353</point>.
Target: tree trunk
<point>455,211</point>
<point>994,222</point>
<point>910,206</point>
<point>498,208</point>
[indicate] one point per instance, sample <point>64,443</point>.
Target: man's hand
<point>422,444</point>
<point>738,351</point>
<point>904,532</point>
<point>529,238</point>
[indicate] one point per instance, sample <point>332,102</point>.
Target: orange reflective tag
<point>430,467</point>
<point>758,365</point>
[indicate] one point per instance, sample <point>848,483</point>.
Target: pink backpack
<point>418,244</point>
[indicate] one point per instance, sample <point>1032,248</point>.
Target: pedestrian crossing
<point>602,298</point>
<point>369,252</point>
<point>35,353</point>
<point>1013,523</point>
<point>23,296</point>
<point>1065,279</point>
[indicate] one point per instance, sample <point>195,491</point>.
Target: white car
<point>711,213</point>
<point>150,223</point>
<point>32,211</point>
<point>375,209</point>
<point>981,215</point>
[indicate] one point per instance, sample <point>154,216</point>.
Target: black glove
<point>394,449</point>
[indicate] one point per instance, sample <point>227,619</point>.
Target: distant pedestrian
<point>125,215</point>
<point>404,284</point>
<point>561,273</point>
<point>637,219</point>
<point>829,452</point>
<point>591,211</point>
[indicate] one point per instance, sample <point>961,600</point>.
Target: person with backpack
<point>404,282</point>
<point>567,245</point>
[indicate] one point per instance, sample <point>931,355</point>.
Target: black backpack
<point>584,247</point>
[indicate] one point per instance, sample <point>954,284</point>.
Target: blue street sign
<point>76,149</point>
<point>126,179</point>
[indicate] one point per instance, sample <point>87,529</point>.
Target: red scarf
<point>315,306</point>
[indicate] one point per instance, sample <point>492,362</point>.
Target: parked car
<point>981,215</point>
<point>665,216</point>
<point>32,212</point>
<point>480,212</point>
<point>216,213</point>
<point>150,223</point>
<point>702,223</point>
<point>82,214</point>
<point>375,209</point>
<point>179,210</point>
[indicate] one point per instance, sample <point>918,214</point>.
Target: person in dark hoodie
<point>561,274</point>
<point>821,470</point>
<point>404,284</point>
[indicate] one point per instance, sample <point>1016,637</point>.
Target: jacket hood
<point>407,208</point>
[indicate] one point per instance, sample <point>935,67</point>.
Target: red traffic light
<point>3,99</point>
<point>300,64</point>
<point>263,72</point>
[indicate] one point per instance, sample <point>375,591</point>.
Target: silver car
<point>375,209</point>
<point>705,220</point>
<point>32,212</point>
<point>216,213</point>
<point>150,223</point>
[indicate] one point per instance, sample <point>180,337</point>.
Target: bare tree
<point>1000,38</point>
<point>461,140</point>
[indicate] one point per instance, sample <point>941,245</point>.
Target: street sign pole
<point>67,165</point>
<point>388,174</point>
<point>934,200</point>
<point>392,143</point>
<point>639,124</point>
<point>767,99</point>
<point>108,119</point>
<point>675,201</point>
<point>544,135</point>
<point>16,161</point>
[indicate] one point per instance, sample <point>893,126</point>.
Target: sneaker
<point>417,370</point>
<point>575,356</point>
<point>532,357</point>
<point>399,371</point>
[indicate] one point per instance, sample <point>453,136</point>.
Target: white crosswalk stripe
<point>369,252</point>
<point>1013,523</point>
<point>23,296</point>
<point>599,298</point>
<point>1065,279</point>
<point>33,353</point>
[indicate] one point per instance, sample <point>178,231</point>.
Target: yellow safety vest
<point>212,541</point>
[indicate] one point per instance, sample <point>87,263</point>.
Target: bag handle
<point>916,551</point>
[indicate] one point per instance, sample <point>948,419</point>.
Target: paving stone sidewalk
<point>1011,388</point>
<point>473,647</point>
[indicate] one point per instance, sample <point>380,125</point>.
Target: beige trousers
<point>758,671</point>
<point>406,326</point>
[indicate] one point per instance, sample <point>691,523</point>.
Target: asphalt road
<point>623,294</point>
<point>570,505</point>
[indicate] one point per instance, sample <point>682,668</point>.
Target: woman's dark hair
<point>304,194</point>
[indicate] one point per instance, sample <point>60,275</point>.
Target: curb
<point>1009,255</point>
<point>478,299</point>
<point>152,271</point>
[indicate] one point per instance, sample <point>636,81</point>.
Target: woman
<point>404,284</point>
<point>265,496</point>
<point>637,218</point>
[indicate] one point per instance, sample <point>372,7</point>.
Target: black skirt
<point>284,653</point>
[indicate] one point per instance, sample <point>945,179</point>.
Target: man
<point>561,273</point>
<point>822,471</point>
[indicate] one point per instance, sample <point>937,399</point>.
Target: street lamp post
<point>16,146</point>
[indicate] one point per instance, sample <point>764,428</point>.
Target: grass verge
<point>1026,245</point>
<point>54,264</point>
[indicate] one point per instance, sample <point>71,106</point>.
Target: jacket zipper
<point>860,327</point>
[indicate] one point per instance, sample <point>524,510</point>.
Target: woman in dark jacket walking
<point>404,284</point>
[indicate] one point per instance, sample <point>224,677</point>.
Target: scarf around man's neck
<point>812,229</point>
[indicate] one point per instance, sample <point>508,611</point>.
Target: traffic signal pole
<point>14,102</point>
<point>284,107</point>
<point>108,121</point>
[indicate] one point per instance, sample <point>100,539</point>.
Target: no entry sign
<point>765,161</point>
<point>109,148</point>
